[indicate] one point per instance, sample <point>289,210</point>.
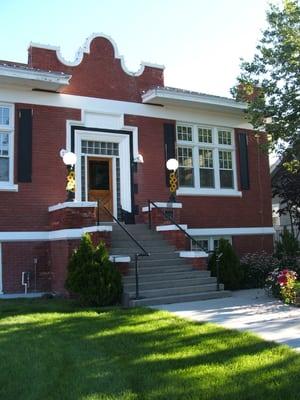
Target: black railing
<point>144,252</point>
<point>192,240</point>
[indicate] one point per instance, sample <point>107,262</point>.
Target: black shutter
<point>169,145</point>
<point>244,167</point>
<point>25,146</point>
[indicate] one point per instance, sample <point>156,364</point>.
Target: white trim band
<point>162,205</point>
<point>231,231</point>
<point>72,204</point>
<point>166,228</point>
<point>119,259</point>
<point>61,234</point>
<point>193,254</point>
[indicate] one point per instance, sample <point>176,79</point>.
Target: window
<point>206,157</point>
<point>6,147</point>
<point>208,243</point>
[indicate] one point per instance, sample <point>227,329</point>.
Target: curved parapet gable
<point>85,49</point>
<point>98,70</point>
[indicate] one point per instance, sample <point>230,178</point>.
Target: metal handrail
<point>194,241</point>
<point>144,253</point>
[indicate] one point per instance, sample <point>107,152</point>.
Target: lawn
<point>51,349</point>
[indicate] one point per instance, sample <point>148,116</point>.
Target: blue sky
<point>200,42</point>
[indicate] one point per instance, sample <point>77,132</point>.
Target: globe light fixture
<point>172,166</point>
<point>69,158</point>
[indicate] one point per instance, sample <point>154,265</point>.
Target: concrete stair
<point>164,277</point>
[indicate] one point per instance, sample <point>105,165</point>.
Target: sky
<point>200,42</point>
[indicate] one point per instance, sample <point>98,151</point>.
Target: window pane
<point>186,177</point>
<point>226,179</point>
<point>185,156</point>
<point>4,169</point>
<point>184,133</point>
<point>4,116</point>
<point>4,144</point>
<point>224,137</point>
<point>207,179</point>
<point>206,158</point>
<point>225,159</point>
<point>204,135</point>
<point>202,245</point>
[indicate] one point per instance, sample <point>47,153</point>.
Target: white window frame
<point>10,130</point>
<point>210,240</point>
<point>215,147</point>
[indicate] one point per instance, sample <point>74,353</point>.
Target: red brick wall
<point>252,244</point>
<point>18,258</point>
<point>27,209</point>
<point>99,74</point>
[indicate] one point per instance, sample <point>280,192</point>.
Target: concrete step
<point>148,244</point>
<point>115,249</point>
<point>179,298</point>
<point>169,291</point>
<point>130,287</point>
<point>159,269</point>
<point>162,261</point>
<point>166,276</point>
<point>138,236</point>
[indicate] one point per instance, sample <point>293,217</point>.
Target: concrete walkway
<point>250,310</point>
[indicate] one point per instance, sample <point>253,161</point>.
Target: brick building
<point>113,119</point>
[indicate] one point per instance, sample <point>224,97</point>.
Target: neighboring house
<point>280,221</point>
<point>113,119</point>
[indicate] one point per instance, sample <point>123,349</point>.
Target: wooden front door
<point>100,186</point>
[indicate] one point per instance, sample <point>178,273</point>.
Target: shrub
<point>92,277</point>
<point>229,266</point>
<point>287,249</point>
<point>256,267</point>
<point>282,284</point>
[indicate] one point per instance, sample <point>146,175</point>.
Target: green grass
<point>50,349</point>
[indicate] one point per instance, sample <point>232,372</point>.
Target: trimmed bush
<point>287,250</point>
<point>92,277</point>
<point>256,268</point>
<point>230,272</point>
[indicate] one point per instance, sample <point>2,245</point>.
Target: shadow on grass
<point>56,350</point>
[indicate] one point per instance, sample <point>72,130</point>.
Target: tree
<point>92,277</point>
<point>270,83</point>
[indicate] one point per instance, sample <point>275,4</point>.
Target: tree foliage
<point>270,83</point>
<point>229,266</point>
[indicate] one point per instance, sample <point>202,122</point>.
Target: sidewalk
<point>250,310</point>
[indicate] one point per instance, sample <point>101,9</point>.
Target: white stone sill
<point>162,205</point>
<point>9,188</point>
<point>72,204</point>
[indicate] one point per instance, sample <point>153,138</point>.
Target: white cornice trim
<point>105,106</point>
<point>85,49</point>
<point>231,231</point>
<point>72,204</point>
<point>159,95</point>
<point>62,234</point>
<point>34,78</point>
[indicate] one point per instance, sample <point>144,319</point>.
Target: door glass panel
<point>98,175</point>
